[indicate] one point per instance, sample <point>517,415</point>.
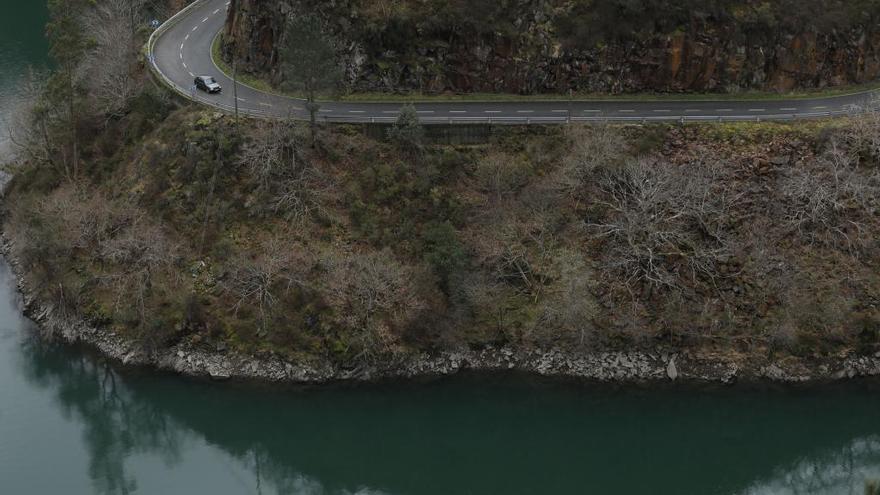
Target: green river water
<point>70,424</point>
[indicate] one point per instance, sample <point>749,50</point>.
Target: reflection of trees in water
<point>400,440</point>
<point>842,472</point>
<point>123,418</point>
<point>116,424</point>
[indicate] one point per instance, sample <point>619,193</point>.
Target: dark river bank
<point>70,423</point>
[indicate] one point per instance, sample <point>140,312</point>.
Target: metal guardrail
<point>459,120</point>
<point>594,119</point>
<point>151,45</point>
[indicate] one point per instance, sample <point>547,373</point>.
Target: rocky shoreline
<point>633,366</point>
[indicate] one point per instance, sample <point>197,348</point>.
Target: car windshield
<point>209,80</point>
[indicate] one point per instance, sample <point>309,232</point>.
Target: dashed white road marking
<point>186,38</point>
<point>788,109</point>
<point>724,110</point>
<point>205,19</point>
<point>184,65</point>
<point>390,111</point>
<point>191,74</point>
<point>592,111</point>
<point>180,54</point>
<point>324,110</point>
<point>195,27</point>
<point>662,111</point>
<point>424,111</point>
<point>458,111</point>
<point>819,108</point>
<point>355,111</point>
<point>241,99</point>
<point>265,104</point>
<point>215,12</point>
<point>757,109</point>
<point>525,111</point>
<point>493,111</point>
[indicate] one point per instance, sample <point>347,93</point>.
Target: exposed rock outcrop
<point>542,46</point>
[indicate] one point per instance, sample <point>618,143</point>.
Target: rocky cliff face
<point>542,46</point>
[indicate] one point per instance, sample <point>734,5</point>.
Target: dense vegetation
<point>170,223</point>
<point>723,238</point>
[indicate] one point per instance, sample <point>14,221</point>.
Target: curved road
<point>181,49</point>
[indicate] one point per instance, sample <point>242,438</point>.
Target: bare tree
<point>664,221</point>
<point>272,155</point>
<point>142,255</point>
<point>112,25</point>
<point>86,219</point>
<point>502,174</point>
<point>832,201</point>
<point>592,148</point>
<point>518,244</point>
<point>28,124</point>
<point>862,136</point>
<point>270,149</point>
<point>279,266</point>
<point>569,304</point>
<point>374,295</point>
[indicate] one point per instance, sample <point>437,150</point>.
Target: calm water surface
<point>70,424</point>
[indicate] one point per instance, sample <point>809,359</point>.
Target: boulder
<point>671,369</point>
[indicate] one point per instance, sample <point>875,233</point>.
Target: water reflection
<point>463,436</point>
<point>116,424</point>
<point>125,418</point>
<point>840,472</point>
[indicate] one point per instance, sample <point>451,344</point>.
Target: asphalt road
<point>182,50</point>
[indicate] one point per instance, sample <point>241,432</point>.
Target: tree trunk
<point>74,135</point>
<point>313,121</point>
